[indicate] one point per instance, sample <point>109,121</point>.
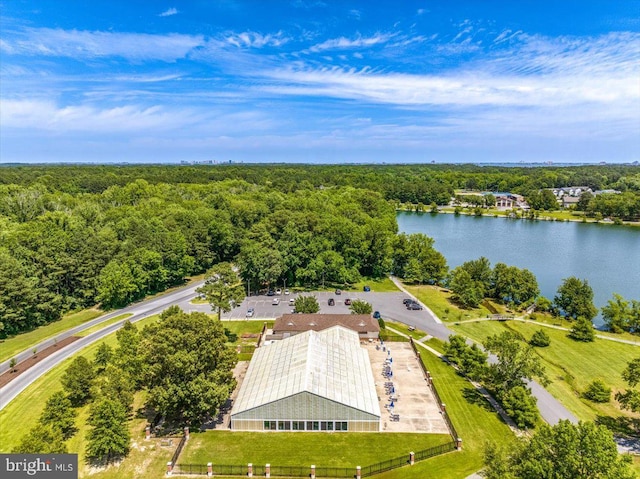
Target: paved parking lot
<point>413,401</point>
<point>389,304</point>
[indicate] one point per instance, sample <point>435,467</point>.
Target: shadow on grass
<point>473,396</point>
<point>621,425</point>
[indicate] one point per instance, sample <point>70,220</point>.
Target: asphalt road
<point>389,304</point>
<point>139,311</point>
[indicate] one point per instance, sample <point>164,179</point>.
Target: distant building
<point>313,381</point>
<point>570,191</point>
<point>291,324</point>
<point>567,201</point>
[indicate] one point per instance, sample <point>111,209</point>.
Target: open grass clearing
<point>440,302</point>
<point>104,324</point>
<point>571,365</point>
<point>16,344</point>
<point>21,414</point>
<point>303,448</point>
<point>403,328</point>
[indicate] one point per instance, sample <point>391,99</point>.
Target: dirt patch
<point>9,376</point>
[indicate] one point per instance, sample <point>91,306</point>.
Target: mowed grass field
<point>440,302</point>
<point>303,448</point>
<point>571,365</point>
<point>16,344</point>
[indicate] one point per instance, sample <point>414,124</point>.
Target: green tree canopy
<point>582,330</point>
<point>42,439</point>
<point>306,304</point>
<point>109,435</point>
<point>77,380</point>
<point>630,399</point>
<point>618,314</point>
<point>359,306</point>
<point>467,291</point>
<point>59,413</point>
<point>575,298</point>
<point>189,367</point>
<point>563,451</point>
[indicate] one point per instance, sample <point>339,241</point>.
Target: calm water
<point>607,256</point>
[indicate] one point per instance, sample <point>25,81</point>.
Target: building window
<point>266,425</point>
<point>273,425</point>
<point>316,425</point>
<point>280,425</point>
<point>330,426</point>
<point>309,426</point>
<point>295,425</point>
<point>323,426</point>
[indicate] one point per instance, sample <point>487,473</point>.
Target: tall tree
<point>617,314</point>
<point>109,435</point>
<point>582,330</point>
<point>189,367</point>
<point>563,451</point>
<point>223,288</point>
<point>77,380</point>
<point>466,290</point>
<point>127,355</point>
<point>630,399</point>
<point>42,439</point>
<point>575,298</point>
<point>103,356</point>
<point>59,413</point>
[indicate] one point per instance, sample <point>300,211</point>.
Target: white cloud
<point>169,12</point>
<point>344,43</point>
<point>256,40</point>
<point>84,44</point>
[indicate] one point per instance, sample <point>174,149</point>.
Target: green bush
<point>598,391</point>
<point>540,339</point>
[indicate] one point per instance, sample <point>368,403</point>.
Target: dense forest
<point>74,236</point>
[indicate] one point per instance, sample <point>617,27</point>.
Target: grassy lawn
<point>21,414</point>
<point>440,302</point>
<point>321,449</point>
<point>98,327</point>
<point>12,346</point>
<point>379,285</point>
<point>403,328</point>
<point>571,365</point>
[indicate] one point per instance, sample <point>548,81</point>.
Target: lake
<point>607,256</point>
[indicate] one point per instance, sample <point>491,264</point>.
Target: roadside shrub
<point>540,339</point>
<point>582,330</point>
<point>598,391</point>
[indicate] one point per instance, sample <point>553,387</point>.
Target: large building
<point>290,324</point>
<point>313,381</point>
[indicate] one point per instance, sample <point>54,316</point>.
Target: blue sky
<point>320,81</point>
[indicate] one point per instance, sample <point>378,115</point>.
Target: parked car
<point>347,302</point>
<point>250,312</point>
<point>278,292</point>
<point>414,306</point>
<point>338,291</point>
<point>292,302</point>
<point>332,302</point>
<point>276,301</point>
<point>366,288</point>
<point>271,292</point>
<point>407,301</point>
<point>376,315</point>
<point>286,292</point>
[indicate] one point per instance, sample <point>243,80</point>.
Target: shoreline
<point>633,224</point>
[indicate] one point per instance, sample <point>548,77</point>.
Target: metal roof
<point>329,363</point>
<point>318,322</point>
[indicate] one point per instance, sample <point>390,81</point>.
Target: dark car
<point>366,288</point>
<point>414,306</point>
<point>271,293</point>
<point>407,301</point>
<point>347,302</point>
<point>332,302</point>
<point>338,291</point>
<point>376,315</point>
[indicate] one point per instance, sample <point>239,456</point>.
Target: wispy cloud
<point>83,44</point>
<point>344,43</point>
<point>257,40</point>
<point>169,12</point>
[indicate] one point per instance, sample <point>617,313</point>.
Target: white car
<point>276,301</point>
<point>292,302</point>
<point>278,291</point>
<point>286,292</point>
<point>250,312</point>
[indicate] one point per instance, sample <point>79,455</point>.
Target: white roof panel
<point>328,363</point>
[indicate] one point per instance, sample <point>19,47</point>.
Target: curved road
<point>139,311</point>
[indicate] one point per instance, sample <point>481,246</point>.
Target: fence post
<point>412,458</point>
<point>459,444</point>
<point>443,407</point>
<point>209,469</point>
<point>313,471</point>
<point>358,472</point>
<point>186,433</point>
<point>267,470</point>
<point>249,470</point>
<point>169,468</point>
<point>147,433</point>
